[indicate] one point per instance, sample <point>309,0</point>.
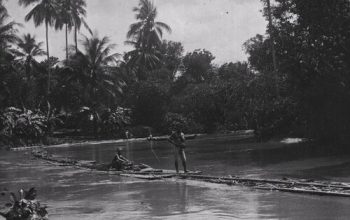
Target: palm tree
<point>272,45</point>
<point>93,67</point>
<point>141,61</point>
<point>78,13</point>
<point>71,14</point>
<point>27,50</point>
<point>7,36</point>
<point>7,30</point>
<point>45,11</point>
<point>146,36</point>
<point>147,32</point>
<point>64,19</point>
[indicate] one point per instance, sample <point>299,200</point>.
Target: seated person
<point>119,162</point>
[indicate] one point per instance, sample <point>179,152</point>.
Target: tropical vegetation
<point>300,87</point>
<point>23,205</point>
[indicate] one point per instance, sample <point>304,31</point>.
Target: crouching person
<point>120,162</point>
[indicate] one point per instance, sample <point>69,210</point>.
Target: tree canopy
<point>157,85</point>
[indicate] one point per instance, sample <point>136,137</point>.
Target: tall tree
<point>71,14</point>
<point>93,67</point>
<point>44,11</point>
<point>64,19</point>
<point>78,11</point>
<point>198,65</point>
<point>146,36</point>
<point>311,42</point>
<point>147,32</point>
<point>7,30</point>
<point>27,50</point>
<point>8,77</point>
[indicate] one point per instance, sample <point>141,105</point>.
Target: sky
<point>220,26</point>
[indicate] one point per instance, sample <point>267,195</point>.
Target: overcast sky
<point>220,26</point>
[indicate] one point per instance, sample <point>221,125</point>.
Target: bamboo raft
<point>300,186</point>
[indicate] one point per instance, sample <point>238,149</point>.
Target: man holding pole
<point>177,138</point>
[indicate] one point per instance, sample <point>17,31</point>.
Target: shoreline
<point>90,143</point>
<point>249,133</point>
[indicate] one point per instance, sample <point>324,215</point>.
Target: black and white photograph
<point>174,109</point>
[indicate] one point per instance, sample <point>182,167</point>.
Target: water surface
<point>81,194</point>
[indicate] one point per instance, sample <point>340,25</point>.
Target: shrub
<point>24,207</point>
<point>31,125</point>
<point>140,131</point>
<point>114,121</point>
<point>176,120</point>
<point>18,127</point>
<point>149,103</point>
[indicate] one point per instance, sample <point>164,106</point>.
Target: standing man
<point>177,138</point>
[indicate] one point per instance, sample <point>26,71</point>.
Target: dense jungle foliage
<point>98,92</point>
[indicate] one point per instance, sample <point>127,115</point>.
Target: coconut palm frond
<point>27,2</point>
<point>87,27</point>
<point>145,35</point>
<point>164,26</point>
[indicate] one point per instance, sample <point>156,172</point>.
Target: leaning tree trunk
<point>48,57</point>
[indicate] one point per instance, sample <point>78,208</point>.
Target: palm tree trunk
<point>66,42</point>
<point>76,38</point>
<point>271,36</point>
<point>48,57</point>
<point>272,44</point>
<point>27,69</point>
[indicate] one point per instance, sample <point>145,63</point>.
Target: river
<point>81,194</point>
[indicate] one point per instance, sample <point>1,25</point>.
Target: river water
<point>81,194</point>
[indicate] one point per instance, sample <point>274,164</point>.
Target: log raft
<point>320,188</point>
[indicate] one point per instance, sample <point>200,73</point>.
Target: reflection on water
<point>77,193</point>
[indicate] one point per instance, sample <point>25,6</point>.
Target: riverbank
<point>76,143</point>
